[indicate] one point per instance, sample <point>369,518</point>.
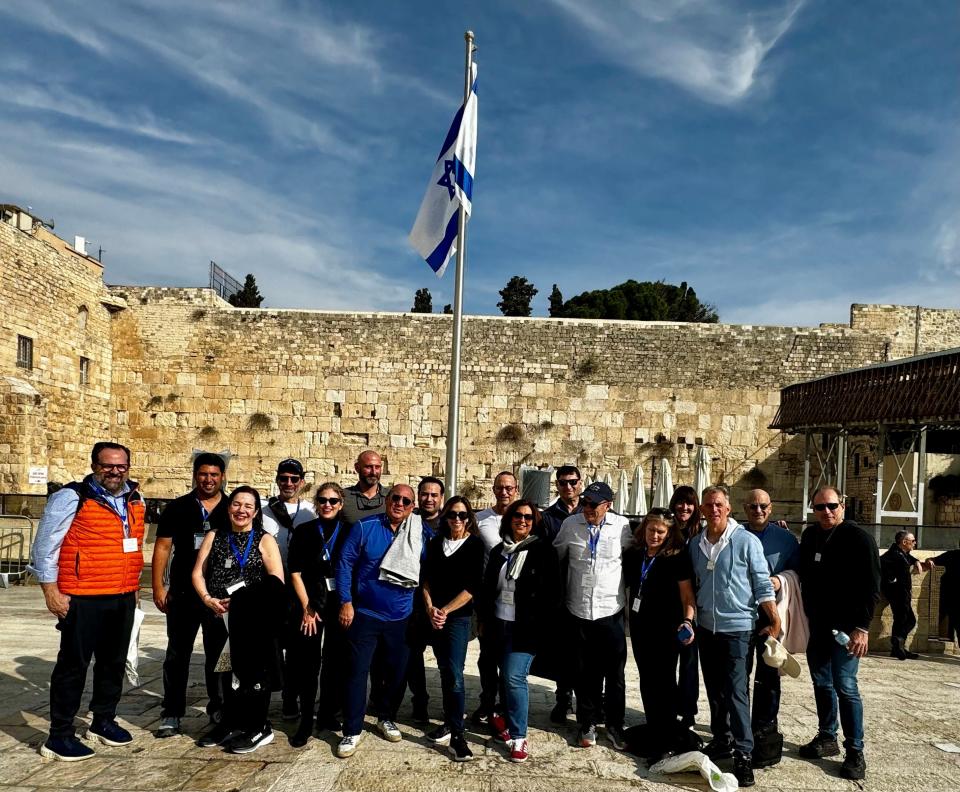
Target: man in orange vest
<point>88,555</point>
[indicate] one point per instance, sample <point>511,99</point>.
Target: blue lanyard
<point>241,559</point>
<point>645,567</point>
<point>328,543</point>
<point>118,502</point>
<point>593,540</point>
<point>203,512</point>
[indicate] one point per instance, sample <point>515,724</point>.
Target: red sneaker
<point>498,725</point>
<point>519,750</point>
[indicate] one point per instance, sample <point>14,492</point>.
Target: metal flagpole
<point>453,412</point>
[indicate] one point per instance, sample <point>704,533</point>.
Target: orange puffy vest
<point>92,560</point>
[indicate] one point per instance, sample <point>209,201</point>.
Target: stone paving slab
<point>909,707</point>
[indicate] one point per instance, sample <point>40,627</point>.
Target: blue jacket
<point>729,594</point>
<point>358,571</point>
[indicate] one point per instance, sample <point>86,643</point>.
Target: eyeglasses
<point>292,479</point>
<point>400,499</point>
<point>758,506</point>
<point>325,501</point>
<point>826,506</point>
<point>457,516</point>
<point>567,482</point>
<point>118,468</point>
<point>504,489</point>
<point>525,516</point>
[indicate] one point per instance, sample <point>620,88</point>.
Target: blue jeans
<point>723,658</point>
<point>365,635</point>
<point>514,669</point>
<point>834,674</point>
<point>450,647</point>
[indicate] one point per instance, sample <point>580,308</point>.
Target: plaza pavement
<point>910,706</point>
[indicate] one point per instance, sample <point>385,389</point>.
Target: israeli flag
<point>434,234</point>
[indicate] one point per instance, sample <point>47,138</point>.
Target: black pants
<point>656,652</point>
<point>766,683</point>
<point>904,619</point>
<point>315,662</point>
<point>418,636</point>
<point>94,627</point>
<point>221,683</point>
<point>600,652</point>
<point>185,616</point>
<point>689,681</point>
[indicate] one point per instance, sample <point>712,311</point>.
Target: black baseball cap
<point>598,492</point>
<point>290,466</point>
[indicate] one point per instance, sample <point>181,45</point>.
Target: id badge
<point>636,604</point>
<point>206,525</point>
<point>197,540</point>
<point>817,557</point>
<point>235,586</point>
<point>130,545</point>
<point>331,584</point>
<point>506,597</point>
<point>589,580</point>
<point>228,564</point>
<point>711,565</point>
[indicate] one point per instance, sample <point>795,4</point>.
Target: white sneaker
<point>348,745</point>
<point>389,730</point>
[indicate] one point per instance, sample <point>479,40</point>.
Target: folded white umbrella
<point>621,497</point>
<point>701,472</point>
<point>663,487</point>
<point>637,504</point>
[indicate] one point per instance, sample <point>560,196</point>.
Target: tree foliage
<point>448,309</point>
<point>422,302</point>
<point>556,301</point>
<point>516,297</point>
<point>249,296</point>
<point>641,301</point>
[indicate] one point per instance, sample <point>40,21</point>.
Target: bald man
<point>368,496</point>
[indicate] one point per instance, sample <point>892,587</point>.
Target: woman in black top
<point>520,602</point>
<point>239,575</point>
<point>685,508</point>
<point>659,575</point>
<point>311,558</point>
<point>451,576</point>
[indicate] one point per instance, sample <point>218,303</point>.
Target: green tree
<point>448,309</point>
<point>249,296</point>
<point>640,301</point>
<point>422,302</point>
<point>556,301</point>
<point>516,297</point>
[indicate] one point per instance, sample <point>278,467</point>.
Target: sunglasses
<point>325,501</point>
<point>525,516</point>
<point>458,516</point>
<point>826,506</point>
<point>758,506</point>
<point>658,511</point>
<point>293,479</point>
<point>401,499</point>
<point>567,482</point>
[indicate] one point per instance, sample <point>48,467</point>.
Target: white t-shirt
<point>488,522</point>
<point>301,511</point>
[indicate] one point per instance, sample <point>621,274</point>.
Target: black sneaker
<point>560,711</point>
<point>615,735</point>
<point>480,717</point>
<point>854,765</point>
<point>421,715</point>
<point>819,747</point>
<point>302,734</point>
<point>109,732</point>
<point>439,736</point>
<point>718,749</point>
<point>249,741</point>
<point>215,736</point>
<point>459,750</point>
<point>66,749</point>
<point>742,769</point>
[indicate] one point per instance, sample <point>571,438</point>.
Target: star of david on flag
<point>434,233</point>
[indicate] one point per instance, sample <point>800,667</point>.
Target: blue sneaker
<point>66,749</point>
<point>109,733</point>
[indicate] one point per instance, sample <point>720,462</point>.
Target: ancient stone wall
<point>911,329</point>
<point>53,296</point>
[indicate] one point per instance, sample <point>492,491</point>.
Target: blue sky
<point>784,158</point>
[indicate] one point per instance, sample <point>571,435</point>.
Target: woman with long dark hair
<point>239,578</point>
<point>659,575</point>
<point>685,507</point>
<point>521,599</point>
<point>451,580</point>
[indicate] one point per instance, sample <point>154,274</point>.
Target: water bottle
<point>841,637</point>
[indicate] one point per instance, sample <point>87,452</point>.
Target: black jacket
<point>537,598</point>
<point>841,588</point>
<point>895,567</point>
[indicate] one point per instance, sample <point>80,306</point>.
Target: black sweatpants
<point>185,616</point>
<point>95,627</point>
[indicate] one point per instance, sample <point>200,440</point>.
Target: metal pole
<point>453,410</point>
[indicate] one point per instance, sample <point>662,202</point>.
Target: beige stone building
<point>170,370</point>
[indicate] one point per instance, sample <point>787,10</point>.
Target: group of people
<point>324,600</point>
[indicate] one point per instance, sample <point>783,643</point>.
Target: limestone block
<point>597,392</point>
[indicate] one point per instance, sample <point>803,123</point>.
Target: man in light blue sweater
<point>732,579</point>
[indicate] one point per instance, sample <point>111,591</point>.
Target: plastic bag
<point>133,653</point>
<point>701,763</point>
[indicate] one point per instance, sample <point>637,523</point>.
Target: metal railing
<point>16,543</point>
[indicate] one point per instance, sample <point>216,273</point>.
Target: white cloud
<point>711,49</point>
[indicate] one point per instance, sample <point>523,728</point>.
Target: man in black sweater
<point>840,582</point>
<point>896,566</point>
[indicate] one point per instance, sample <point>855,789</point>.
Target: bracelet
<point>688,621</point>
